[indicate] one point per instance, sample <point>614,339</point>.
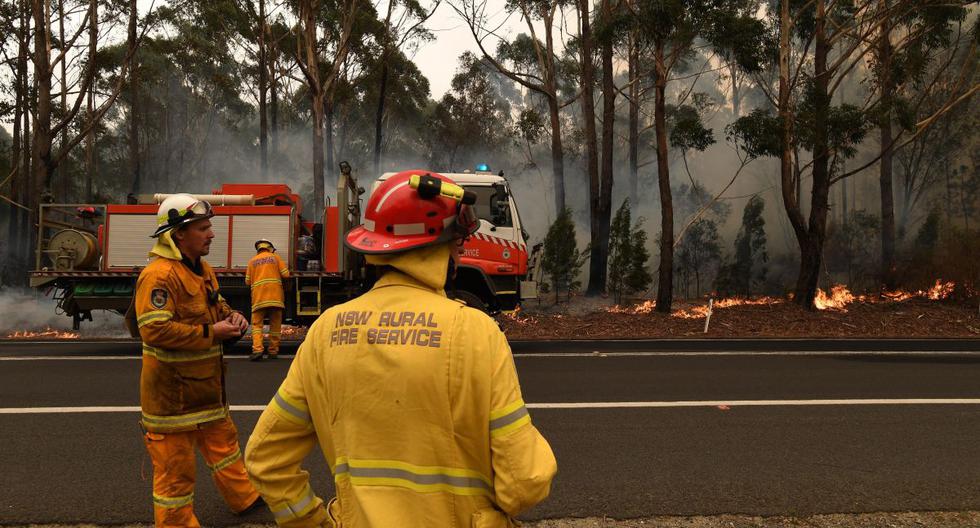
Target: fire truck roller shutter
<point>214,199</point>
<point>246,229</point>
<point>129,240</point>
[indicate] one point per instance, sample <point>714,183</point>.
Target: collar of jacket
<point>166,248</point>
<point>425,267</point>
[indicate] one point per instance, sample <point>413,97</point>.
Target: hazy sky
<point>437,60</point>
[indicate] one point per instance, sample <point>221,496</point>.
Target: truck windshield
<point>492,205</point>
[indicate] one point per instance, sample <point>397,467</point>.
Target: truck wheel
<point>470,299</point>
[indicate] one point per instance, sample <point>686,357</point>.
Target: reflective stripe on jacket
<point>414,400</point>
<point>181,383</point>
<point>264,274</point>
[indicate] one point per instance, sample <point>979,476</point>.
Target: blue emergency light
<point>483,167</point>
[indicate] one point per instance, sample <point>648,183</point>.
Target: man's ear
<point>177,235</point>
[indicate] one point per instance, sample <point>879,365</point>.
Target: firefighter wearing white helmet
<point>264,277</point>
<point>183,321</point>
<point>412,397</point>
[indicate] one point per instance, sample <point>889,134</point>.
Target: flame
<point>939,291</point>
<point>839,297</point>
<point>697,312</point>
<point>643,308</point>
<point>48,332</point>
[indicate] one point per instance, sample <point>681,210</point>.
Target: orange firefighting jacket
<point>414,400</point>
<point>264,274</point>
<point>182,380</point>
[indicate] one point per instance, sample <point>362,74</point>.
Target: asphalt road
<point>637,431</point>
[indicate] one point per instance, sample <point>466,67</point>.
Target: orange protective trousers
<point>275,329</point>
<point>174,471</point>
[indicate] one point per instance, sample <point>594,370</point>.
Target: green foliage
<point>687,131</point>
<point>562,260</point>
<point>690,199</point>
<point>698,255</point>
<point>928,234</point>
<point>747,270</point>
<point>628,255</point>
<point>530,125</point>
<point>758,134</point>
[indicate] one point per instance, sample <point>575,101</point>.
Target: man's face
<point>194,240</point>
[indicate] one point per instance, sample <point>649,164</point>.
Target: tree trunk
<point>274,99</point>
<point>93,37</point>
<point>134,115</point>
<point>600,237</point>
<point>63,167</point>
<point>591,147</point>
<point>634,119</point>
<point>665,287</point>
<point>263,88</point>
<point>812,248</point>
<point>888,275</point>
<point>328,135</point>
<point>379,115</point>
<point>557,156</point>
<point>736,91</point>
<point>318,115</point>
<point>41,148</point>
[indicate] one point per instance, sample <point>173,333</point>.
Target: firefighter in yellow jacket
<point>183,321</point>
<point>412,396</point>
<point>264,276</point>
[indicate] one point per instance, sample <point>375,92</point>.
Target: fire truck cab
<point>90,255</point>
<point>497,270</point>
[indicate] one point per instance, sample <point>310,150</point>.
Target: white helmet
<point>179,209</point>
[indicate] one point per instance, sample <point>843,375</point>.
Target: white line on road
<point>574,405</point>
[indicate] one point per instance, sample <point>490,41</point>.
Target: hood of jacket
<point>427,265</point>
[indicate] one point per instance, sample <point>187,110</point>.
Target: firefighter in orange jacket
<point>183,321</point>
<point>264,275</point>
<point>413,397</point>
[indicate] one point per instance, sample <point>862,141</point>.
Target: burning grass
<point>840,314</point>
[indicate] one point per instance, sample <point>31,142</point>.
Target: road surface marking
<point>574,405</point>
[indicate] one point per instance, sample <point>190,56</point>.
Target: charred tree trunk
<point>328,135</point>
<point>134,113</point>
<point>888,275</point>
<point>787,174</point>
<point>600,237</point>
<point>591,146</point>
<point>665,286</point>
<point>812,246</point>
<point>263,88</point>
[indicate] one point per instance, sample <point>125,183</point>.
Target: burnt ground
<point>597,318</point>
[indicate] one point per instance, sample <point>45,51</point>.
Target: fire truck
<point>90,255</point>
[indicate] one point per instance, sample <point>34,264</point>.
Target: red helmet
<point>414,209</point>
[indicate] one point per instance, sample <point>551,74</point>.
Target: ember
<point>48,332</point>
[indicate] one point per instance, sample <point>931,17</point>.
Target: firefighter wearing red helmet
<point>183,322</point>
<point>412,397</point>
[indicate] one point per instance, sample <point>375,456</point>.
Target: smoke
<point>30,311</point>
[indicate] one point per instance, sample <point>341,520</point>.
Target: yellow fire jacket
<point>264,274</point>
<point>414,400</point>
<point>181,383</point>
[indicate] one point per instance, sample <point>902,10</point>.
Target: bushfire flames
<point>838,299</point>
<point>47,333</point>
